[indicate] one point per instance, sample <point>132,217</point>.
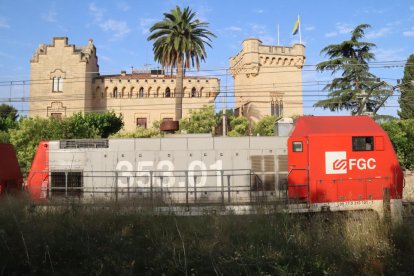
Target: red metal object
<point>11,177</point>
<point>341,159</point>
<point>38,178</point>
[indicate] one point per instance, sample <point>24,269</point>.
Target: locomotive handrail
<point>308,201</point>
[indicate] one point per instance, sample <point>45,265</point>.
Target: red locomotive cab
<point>343,163</point>
<point>38,177</point>
<point>11,178</point>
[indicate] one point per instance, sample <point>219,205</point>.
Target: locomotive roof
<point>335,125</point>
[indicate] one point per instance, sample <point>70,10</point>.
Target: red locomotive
<point>326,163</point>
<point>11,178</point>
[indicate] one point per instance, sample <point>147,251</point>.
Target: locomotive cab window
<point>297,147</point>
<point>362,143</point>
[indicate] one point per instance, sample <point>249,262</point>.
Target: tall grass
<point>75,241</point>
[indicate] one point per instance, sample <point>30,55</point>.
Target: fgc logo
<point>337,163</point>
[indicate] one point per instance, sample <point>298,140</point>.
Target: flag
<point>296,27</point>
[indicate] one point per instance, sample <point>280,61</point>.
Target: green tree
<point>349,91</point>
<point>401,133</point>
<point>30,131</point>
<point>199,121</point>
<point>239,126</point>
<point>407,91</point>
<point>106,123</point>
<point>266,126</point>
<point>179,42</point>
<point>8,111</point>
<point>8,116</point>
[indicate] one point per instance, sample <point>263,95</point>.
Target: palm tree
<point>353,90</point>
<point>179,42</point>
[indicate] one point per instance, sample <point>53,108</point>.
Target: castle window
<point>276,108</point>
<point>56,115</point>
<point>142,122</point>
<point>193,92</point>
<point>167,92</point>
<point>57,84</point>
<point>141,92</point>
<point>115,92</point>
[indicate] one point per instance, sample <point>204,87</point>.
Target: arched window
<point>276,107</point>
<point>115,92</point>
<point>201,92</point>
<point>96,92</point>
<point>167,92</point>
<point>141,92</point>
<point>149,91</point>
<point>123,91</point>
<point>131,92</point>
<point>57,84</point>
<point>157,92</point>
<point>193,92</point>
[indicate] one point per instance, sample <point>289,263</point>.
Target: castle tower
<point>268,79</point>
<point>61,78</point>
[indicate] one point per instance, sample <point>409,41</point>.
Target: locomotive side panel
<point>174,170</point>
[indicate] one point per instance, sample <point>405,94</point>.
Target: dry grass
<point>75,240</point>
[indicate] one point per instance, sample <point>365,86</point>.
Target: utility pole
<point>224,109</point>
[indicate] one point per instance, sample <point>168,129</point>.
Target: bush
<point>199,121</point>
<point>401,133</point>
<point>266,126</point>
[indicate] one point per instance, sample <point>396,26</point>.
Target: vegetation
<point>109,241</point>
<point>401,133</point>
<point>199,121</point>
<point>179,42</point>
<point>407,91</point>
<point>30,131</point>
<point>351,58</point>
<point>105,123</point>
<point>8,117</point>
<point>239,126</point>
<point>266,126</point>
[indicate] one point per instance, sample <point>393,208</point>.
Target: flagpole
<point>278,41</point>
<point>300,32</point>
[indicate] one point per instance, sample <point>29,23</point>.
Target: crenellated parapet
<point>85,52</point>
<point>255,55</point>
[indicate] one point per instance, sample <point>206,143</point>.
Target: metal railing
<point>158,188</point>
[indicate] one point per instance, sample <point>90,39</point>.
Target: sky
<point>119,30</point>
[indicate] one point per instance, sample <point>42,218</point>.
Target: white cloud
<point>51,15</point>
<point>309,28</point>
<point>341,28</point>
<point>331,34</point>
<point>258,29</point>
<point>233,29</point>
<point>119,28</point>
<point>389,54</point>
<point>381,32</point>
<point>96,12</point>
<point>258,11</point>
<point>3,23</point>
<point>409,33</point>
<point>145,23</point>
<point>105,58</point>
<point>123,6</point>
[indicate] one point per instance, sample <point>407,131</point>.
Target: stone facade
<point>268,79</point>
<point>65,79</point>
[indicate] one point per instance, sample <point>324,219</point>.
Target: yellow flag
<point>296,27</point>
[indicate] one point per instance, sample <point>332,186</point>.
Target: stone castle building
<point>65,79</point>
<point>268,79</point>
